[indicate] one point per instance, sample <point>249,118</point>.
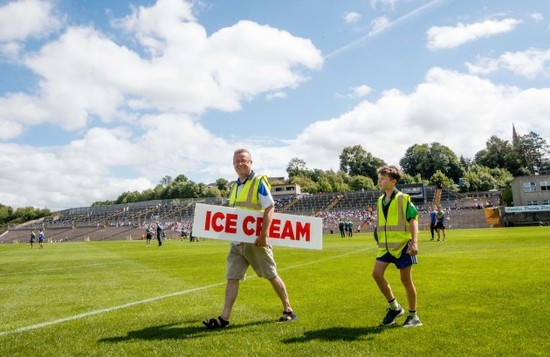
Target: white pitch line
<point>134,303</point>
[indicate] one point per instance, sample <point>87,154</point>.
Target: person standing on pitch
<point>41,238</point>
<point>252,192</point>
<point>440,222</point>
<point>33,239</point>
<point>397,244</point>
<point>432,222</point>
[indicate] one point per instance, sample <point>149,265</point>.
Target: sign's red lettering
<point>231,225</point>
<point>303,230</point>
<point>247,222</point>
<point>215,218</point>
<point>288,232</point>
<point>274,229</point>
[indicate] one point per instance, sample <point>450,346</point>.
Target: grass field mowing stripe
<point>63,268</point>
<point>156,298</point>
<point>109,309</point>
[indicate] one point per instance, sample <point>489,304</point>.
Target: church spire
<point>515,137</point>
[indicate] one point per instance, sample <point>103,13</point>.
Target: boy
<point>397,244</point>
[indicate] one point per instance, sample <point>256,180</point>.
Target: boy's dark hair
<point>391,171</point>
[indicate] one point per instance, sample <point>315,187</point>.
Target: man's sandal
<point>214,323</point>
<point>288,316</point>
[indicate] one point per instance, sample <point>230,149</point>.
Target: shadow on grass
<point>337,334</point>
<point>172,332</point>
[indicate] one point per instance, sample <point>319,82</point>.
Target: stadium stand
<point>128,221</point>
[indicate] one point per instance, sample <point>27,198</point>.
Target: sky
<point>102,97</point>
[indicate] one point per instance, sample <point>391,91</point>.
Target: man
<point>440,222</point>
<point>432,221</point>
<point>251,191</point>
<point>148,236</point>
<point>160,232</point>
<point>397,244</point>
<point>341,227</point>
<point>33,239</point>
<point>41,238</point>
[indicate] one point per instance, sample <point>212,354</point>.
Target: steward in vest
<point>247,198</point>
<point>251,192</point>
<point>397,244</point>
<point>393,224</point>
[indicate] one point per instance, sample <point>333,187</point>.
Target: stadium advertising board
<point>233,224</point>
<point>521,209</point>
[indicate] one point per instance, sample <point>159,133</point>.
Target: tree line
<point>20,215</point>
<point>493,167</point>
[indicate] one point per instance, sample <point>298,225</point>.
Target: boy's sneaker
<point>389,319</point>
<point>412,322</point>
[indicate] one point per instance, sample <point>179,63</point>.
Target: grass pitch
<point>482,292</point>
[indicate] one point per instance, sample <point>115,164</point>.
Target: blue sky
<point>101,97</point>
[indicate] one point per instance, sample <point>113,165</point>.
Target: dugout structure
<point>418,193</point>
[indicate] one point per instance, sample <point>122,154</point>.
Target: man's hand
<point>261,241</point>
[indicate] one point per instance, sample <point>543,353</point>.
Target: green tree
<point>223,186</point>
<point>406,179</point>
<point>296,167</point>
<point>306,184</point>
<point>360,182</point>
<point>465,162</point>
<point>6,214</point>
<point>166,180</point>
<point>211,192</point>
<point>533,152</point>
<point>337,181</point>
<point>439,179</point>
<point>479,178</point>
<point>498,153</point>
<point>355,160</point>
<point>25,214</point>
<point>426,159</point>
<point>179,178</point>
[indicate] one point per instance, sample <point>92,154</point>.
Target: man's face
<point>385,183</point>
<point>242,164</point>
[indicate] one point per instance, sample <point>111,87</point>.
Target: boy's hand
<point>413,249</point>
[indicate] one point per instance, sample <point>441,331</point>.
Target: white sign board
<point>238,225</point>
<point>520,209</point>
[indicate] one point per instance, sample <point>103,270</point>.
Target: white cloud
<point>27,18</point>
<point>188,72</point>
<point>384,3</point>
<point>444,37</point>
<point>379,24</point>
<point>138,108</point>
<point>537,16</point>
<point>275,95</point>
<point>360,91</point>
<point>352,17</point>
<point>87,80</point>
<point>531,63</point>
<point>458,110</point>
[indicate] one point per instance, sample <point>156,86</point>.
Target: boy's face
<point>386,183</point>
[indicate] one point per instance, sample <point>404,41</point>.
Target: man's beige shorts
<point>244,254</point>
